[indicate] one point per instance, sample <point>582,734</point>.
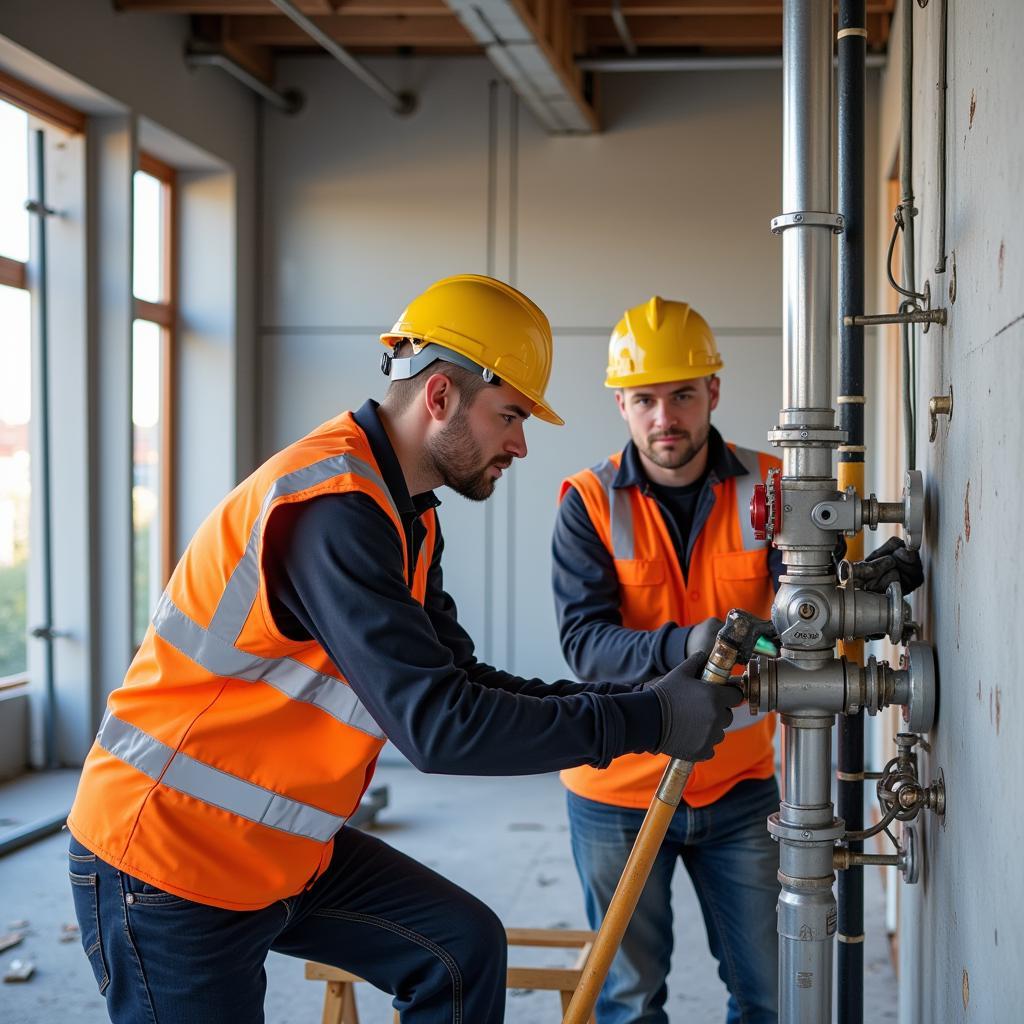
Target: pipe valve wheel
<point>766,507</point>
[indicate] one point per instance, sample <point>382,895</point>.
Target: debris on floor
<point>20,970</point>
<point>10,939</point>
<point>68,932</point>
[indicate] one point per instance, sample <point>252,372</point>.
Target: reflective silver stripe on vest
<point>292,678</point>
<point>240,592</point>
<point>620,510</point>
<point>744,492</point>
<point>212,785</point>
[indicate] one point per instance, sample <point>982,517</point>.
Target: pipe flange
<point>913,508</point>
<point>806,437</point>
<point>803,834</point>
<point>910,865</point>
<point>919,662</point>
<point>835,222</point>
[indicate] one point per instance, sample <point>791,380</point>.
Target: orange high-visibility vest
<point>232,755</point>
<point>728,569</point>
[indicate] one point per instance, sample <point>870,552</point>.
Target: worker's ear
<point>714,385</point>
<point>620,401</point>
<point>440,397</point>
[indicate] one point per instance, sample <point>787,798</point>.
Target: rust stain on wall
<point>967,512</point>
<point>974,106</point>
<point>1002,262</point>
<point>999,707</point>
<point>966,989</point>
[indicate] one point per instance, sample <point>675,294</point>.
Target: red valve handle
<point>759,511</point>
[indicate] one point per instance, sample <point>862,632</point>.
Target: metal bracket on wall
<point>939,405</point>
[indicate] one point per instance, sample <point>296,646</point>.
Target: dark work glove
<point>892,561</point>
<point>694,714</point>
<point>702,636</point>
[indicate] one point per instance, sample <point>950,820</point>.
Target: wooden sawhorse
<point>340,999</point>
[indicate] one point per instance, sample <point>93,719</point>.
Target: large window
<point>15,391</point>
<point>152,381</point>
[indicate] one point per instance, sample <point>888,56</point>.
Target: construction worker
<point>651,549</point>
<point>306,623</point>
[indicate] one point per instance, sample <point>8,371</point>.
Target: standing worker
<point>652,548</point>
<point>306,623</point>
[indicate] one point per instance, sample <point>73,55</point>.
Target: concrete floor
<point>505,840</point>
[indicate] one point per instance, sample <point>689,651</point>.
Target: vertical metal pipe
<point>807,907</point>
<point>805,827</point>
<point>45,632</point>
<point>806,186</point>
<point>852,47</point>
<point>909,212</point>
<point>940,142</point>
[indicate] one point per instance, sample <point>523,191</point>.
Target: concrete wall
<point>364,209</point>
<point>961,944</point>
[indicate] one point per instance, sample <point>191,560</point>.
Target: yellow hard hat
<point>660,341</point>
<point>481,323</point>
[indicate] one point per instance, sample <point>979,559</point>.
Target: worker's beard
<point>460,461</point>
<point>687,446</point>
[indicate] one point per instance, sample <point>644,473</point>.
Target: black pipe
<point>852,47</point>
<point>45,632</point>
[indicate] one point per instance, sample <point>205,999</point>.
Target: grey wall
<point>961,944</point>
<point>363,210</point>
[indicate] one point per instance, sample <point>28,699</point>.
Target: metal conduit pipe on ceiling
<point>399,102</point>
<point>197,56</point>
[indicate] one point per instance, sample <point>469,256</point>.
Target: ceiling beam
<point>217,33</point>
<point>341,8</point>
<point>355,31</point>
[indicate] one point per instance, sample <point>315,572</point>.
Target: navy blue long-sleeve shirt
<point>586,588</point>
<point>334,570</point>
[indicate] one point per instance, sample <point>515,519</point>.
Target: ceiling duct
<point>530,62</point>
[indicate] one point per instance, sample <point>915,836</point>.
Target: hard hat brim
<point>662,376</point>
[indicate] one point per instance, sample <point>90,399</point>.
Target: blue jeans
<point>160,958</point>
<point>732,862</point>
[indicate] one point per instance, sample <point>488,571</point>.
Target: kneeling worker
<point>306,623</point>
<point>652,548</point>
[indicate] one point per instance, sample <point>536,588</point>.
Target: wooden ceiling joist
<point>354,31</point>
<point>313,8</point>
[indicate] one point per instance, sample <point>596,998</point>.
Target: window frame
<point>14,273</point>
<point>165,315</point>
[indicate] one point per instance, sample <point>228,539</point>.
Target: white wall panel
<point>675,196</point>
<point>364,208</point>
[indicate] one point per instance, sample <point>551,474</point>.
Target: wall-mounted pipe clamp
<point>835,222</point>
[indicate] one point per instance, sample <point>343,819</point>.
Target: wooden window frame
<point>41,104</point>
<point>165,315</point>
